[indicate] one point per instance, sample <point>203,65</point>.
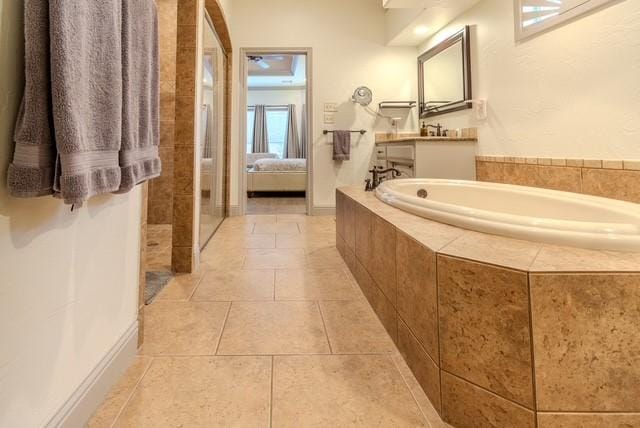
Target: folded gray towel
<point>32,170</point>
<point>86,76</point>
<point>341,145</point>
<point>139,157</point>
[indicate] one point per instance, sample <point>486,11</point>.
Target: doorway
<point>275,132</point>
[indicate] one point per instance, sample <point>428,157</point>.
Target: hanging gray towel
<point>32,171</point>
<point>341,145</point>
<point>75,137</point>
<point>86,75</point>
<point>139,157</point>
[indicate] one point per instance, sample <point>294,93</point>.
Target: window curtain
<point>303,133</point>
<point>292,141</point>
<point>260,134</point>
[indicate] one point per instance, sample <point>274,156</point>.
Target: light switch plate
<point>329,118</point>
<point>330,107</point>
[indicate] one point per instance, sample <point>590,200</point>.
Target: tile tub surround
<point>497,331</point>
<point>616,179</point>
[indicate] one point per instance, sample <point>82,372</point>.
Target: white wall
<point>572,92</point>
<point>68,281</point>
<point>348,42</point>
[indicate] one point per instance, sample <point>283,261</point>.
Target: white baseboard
<point>322,211</point>
<point>86,399</point>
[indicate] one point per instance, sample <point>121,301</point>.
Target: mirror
<point>212,148</point>
<point>445,76</point>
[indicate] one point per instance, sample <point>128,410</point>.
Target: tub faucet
<point>378,177</point>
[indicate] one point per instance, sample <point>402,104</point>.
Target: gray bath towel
<point>32,170</point>
<point>89,121</point>
<point>341,145</point>
<point>139,158</point>
<point>86,75</point>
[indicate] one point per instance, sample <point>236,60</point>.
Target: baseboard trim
<point>315,211</point>
<point>234,211</point>
<point>86,399</point>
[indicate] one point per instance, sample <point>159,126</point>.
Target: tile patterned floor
<point>288,205</point>
<point>273,332</point>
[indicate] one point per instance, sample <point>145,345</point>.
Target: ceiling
<point>283,71</point>
<point>411,22</point>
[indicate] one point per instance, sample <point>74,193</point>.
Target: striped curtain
<point>292,146</point>
<point>260,134</point>
<point>303,133</point>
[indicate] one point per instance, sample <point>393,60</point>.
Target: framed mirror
<point>444,76</point>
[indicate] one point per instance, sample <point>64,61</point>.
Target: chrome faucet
<point>378,177</point>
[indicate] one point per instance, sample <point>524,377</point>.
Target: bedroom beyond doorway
<point>276,164</point>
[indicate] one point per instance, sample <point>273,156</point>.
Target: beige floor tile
<point>275,259</point>
<point>340,391</point>
<point>106,415</point>
<point>271,328</point>
<point>226,286</point>
<point>214,258</point>
<point>252,218</point>
<point>324,226</point>
<point>353,328</point>
<point>314,284</point>
<point>183,328</point>
<point>325,258</point>
<point>306,240</point>
<point>280,228</point>
<point>202,392</point>
<point>181,287</point>
<point>249,241</point>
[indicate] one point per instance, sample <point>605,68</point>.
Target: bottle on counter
<point>424,131</point>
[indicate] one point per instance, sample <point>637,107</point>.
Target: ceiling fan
<point>259,60</point>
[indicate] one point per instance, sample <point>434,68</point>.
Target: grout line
<point>224,325</point>
<point>196,288</point>
<point>415,400</point>
<point>133,390</point>
<point>271,396</point>
<point>534,391</point>
<point>311,354</point>
<point>324,326</point>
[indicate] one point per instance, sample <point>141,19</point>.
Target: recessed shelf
<point>397,104</point>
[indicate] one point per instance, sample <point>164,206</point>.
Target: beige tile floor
<point>288,205</point>
<point>273,331</point>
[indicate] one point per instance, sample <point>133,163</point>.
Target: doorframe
<point>243,91</point>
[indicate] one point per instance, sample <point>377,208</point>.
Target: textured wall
<point>570,93</point>
<point>348,41</point>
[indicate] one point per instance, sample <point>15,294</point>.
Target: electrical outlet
<point>330,107</point>
<point>481,109</point>
<point>329,118</point>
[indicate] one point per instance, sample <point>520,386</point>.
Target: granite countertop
<point>426,139</point>
<point>530,256</point>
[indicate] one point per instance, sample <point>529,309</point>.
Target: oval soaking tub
<point>521,212</point>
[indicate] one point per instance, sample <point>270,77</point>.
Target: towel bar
<point>361,132</point>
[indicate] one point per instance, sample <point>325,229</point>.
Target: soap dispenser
<point>424,131</point>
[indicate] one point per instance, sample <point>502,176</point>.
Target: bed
<point>277,175</point>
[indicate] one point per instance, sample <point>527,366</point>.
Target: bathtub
<point>520,212</point>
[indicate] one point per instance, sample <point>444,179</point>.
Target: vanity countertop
<point>426,140</point>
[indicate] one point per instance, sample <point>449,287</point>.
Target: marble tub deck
<point>500,332</point>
